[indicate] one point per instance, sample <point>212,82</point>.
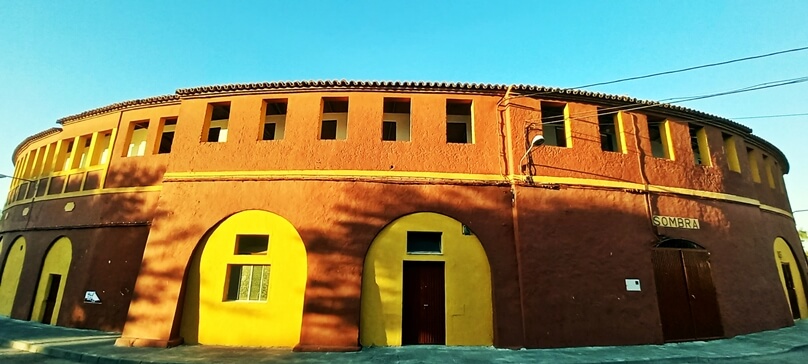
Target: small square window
<point>167,139</point>
<point>334,119</point>
<point>424,242</point>
<point>396,120</point>
<point>459,122</point>
<point>252,244</point>
<point>274,120</point>
<point>553,124</point>
<point>218,123</point>
<point>248,283</point>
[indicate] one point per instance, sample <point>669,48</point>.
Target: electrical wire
<point>673,71</point>
<point>676,100</point>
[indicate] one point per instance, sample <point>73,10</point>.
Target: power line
<point>769,116</point>
<point>669,72</point>
<point>695,67</point>
<point>676,100</point>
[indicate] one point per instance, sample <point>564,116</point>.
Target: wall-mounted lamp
<point>537,141</point>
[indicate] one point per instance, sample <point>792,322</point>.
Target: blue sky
<point>62,58</point>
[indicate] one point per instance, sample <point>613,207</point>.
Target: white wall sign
<point>675,222</point>
<point>633,285</point>
<point>91,297</point>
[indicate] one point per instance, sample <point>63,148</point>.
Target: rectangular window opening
<point>751,156</point>
<point>699,145</point>
<point>248,283</point>
<point>658,135</point>
<point>731,152</point>
<point>607,126</point>
<point>553,124</point>
<point>334,120</point>
<point>396,120</point>
<point>769,175</point>
<point>138,133</point>
<point>459,122</point>
<point>424,242</point>
<point>252,244</point>
<point>167,137</point>
<point>218,123</point>
<point>274,120</point>
<point>102,147</point>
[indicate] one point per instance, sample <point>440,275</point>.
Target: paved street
<point>787,345</point>
<point>12,356</point>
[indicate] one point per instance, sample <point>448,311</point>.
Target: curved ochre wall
<point>469,312</point>
<point>783,254</point>
<point>209,317</point>
<point>57,261</point>
<point>11,275</point>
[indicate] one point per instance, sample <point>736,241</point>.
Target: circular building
<point>331,215</point>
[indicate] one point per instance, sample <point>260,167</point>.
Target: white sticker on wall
<point>633,285</point>
<point>91,297</point>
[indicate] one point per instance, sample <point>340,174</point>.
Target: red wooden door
<point>703,301</point>
<point>424,307</point>
<point>688,306</point>
<point>671,286</point>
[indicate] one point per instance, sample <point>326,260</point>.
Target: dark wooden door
<point>688,305</point>
<point>424,306</point>
<point>671,286</point>
<point>50,299</point>
<point>703,301</point>
<point>792,293</point>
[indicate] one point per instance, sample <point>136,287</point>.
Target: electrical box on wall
<point>633,285</point>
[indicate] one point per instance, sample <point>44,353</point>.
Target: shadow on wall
<point>578,246</point>
<point>108,233</point>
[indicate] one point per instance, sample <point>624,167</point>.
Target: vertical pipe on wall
<point>508,145</point>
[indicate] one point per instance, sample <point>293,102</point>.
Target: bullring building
<point>334,215</point>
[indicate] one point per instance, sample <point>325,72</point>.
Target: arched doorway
<point>11,270</point>
<point>790,278</point>
<point>426,280</point>
<point>52,280</point>
<point>246,283</point>
<point>688,306</point>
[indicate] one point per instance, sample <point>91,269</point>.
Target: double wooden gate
<point>687,301</point>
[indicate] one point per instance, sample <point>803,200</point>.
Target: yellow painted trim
<point>208,316</point>
<point>73,161</point>
<point>567,126</point>
<point>88,193</point>
<point>469,311</point>
<point>331,173</point>
<point>776,210</point>
<point>751,155</point>
<point>11,275</point>
<point>783,254</point>
<point>704,148</point>
<point>57,261</point>
<point>570,181</point>
<point>731,151</point>
<point>667,139</point>
<point>621,132</point>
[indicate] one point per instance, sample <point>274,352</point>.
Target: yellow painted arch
<point>11,275</point>
<point>783,254</point>
<point>211,317</point>
<point>57,262</point>
<point>469,311</point>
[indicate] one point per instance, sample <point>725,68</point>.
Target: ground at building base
<point>89,346</point>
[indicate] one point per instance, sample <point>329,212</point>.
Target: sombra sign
<point>675,222</point>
